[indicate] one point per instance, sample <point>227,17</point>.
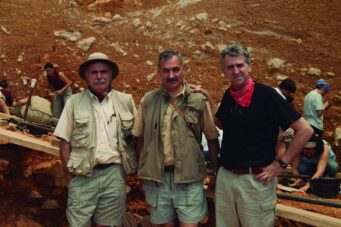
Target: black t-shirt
<point>250,134</point>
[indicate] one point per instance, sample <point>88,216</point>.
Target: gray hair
<point>235,50</point>
<point>168,54</point>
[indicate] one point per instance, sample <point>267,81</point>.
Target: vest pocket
<point>80,137</point>
<point>127,120</point>
<point>80,161</point>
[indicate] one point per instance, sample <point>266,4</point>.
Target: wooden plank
<point>27,141</point>
<point>288,189</point>
<point>307,217</point>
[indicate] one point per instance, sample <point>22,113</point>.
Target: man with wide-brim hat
<point>95,129</point>
<point>95,57</point>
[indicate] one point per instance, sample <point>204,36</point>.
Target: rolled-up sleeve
<point>139,121</point>
<point>65,123</point>
<point>208,125</point>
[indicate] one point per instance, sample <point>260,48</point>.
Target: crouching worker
<point>317,160</point>
<point>95,131</point>
<point>39,110</point>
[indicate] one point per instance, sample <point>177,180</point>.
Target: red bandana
<point>243,96</point>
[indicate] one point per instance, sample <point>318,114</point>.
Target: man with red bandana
<point>250,115</point>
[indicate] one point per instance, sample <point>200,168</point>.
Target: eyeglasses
<point>168,70</point>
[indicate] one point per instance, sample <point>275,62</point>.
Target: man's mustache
<point>100,81</point>
<point>172,80</point>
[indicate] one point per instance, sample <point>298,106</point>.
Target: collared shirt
<point>207,125</point>
<point>106,150</point>
<point>312,103</point>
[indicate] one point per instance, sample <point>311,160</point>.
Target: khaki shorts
<point>169,201</point>
<point>99,198</point>
<point>240,200</point>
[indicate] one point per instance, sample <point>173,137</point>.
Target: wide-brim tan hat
<point>95,57</point>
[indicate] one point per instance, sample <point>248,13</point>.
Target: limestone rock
<point>21,57</point>
<point>197,54</point>
<point>184,3</point>
<point>149,24</point>
<point>116,17</point>
<point>35,195</point>
<point>194,30</point>
<point>148,62</point>
<point>331,74</point>
<point>5,30</point>
<point>281,77</point>
<point>150,76</point>
<point>179,23</point>
<point>100,21</point>
<point>118,48</point>
<point>137,23</point>
<point>72,3</point>
<point>208,47</point>
<point>275,63</point>
<point>18,71</point>
<point>98,3</point>
<point>3,165</point>
<point>314,71</point>
<point>202,16</point>
<point>50,204</point>
<point>85,44</point>
<point>71,36</point>
<point>108,15</point>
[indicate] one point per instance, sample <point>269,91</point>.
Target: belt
<point>103,166</point>
<point>250,170</point>
<point>168,168</point>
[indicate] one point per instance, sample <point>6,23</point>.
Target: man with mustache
<point>95,128</point>
<point>168,127</point>
<point>250,114</point>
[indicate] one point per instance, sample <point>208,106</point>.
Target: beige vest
<point>83,139</point>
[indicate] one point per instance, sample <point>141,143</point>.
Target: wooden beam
<point>27,141</point>
<point>306,217</point>
<point>8,117</point>
<point>287,189</point>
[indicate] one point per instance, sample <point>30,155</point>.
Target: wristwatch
<point>283,164</point>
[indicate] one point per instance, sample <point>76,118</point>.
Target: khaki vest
<point>83,139</point>
<point>189,162</point>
